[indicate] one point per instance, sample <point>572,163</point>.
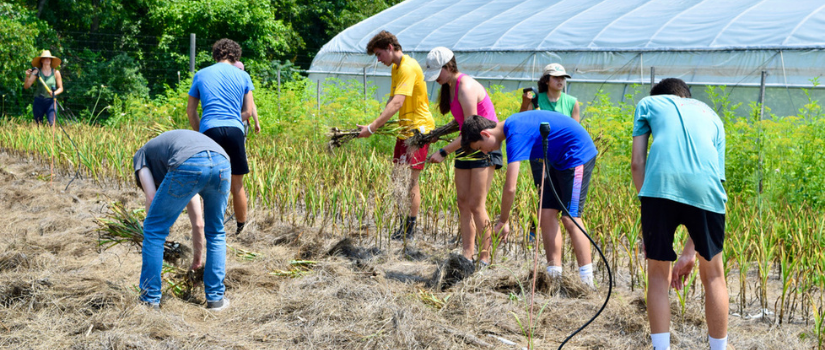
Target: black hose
<point>544,129</point>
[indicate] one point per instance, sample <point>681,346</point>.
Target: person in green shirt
<point>550,95</point>
<point>49,86</point>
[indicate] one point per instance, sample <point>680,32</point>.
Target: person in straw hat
<point>49,85</point>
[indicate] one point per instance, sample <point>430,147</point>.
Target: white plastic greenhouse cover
<point>615,41</point>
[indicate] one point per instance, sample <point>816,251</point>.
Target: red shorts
<point>415,160</point>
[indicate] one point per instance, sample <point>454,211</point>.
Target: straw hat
<point>46,54</point>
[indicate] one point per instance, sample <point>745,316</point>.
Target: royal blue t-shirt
<point>568,144</point>
<point>221,88</point>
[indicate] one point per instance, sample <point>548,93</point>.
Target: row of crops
<point>775,181</point>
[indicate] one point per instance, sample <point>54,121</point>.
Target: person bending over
<point>172,169</point>
<point>679,182</point>
<point>571,156</point>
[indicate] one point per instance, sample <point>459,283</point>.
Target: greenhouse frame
<point>607,46</point>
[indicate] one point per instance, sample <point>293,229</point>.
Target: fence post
<point>652,76</point>
<point>192,53</point>
<point>762,95</point>
<point>365,89</point>
<point>279,91</point>
<point>759,135</point>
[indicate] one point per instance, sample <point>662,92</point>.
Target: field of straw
<point>300,287</point>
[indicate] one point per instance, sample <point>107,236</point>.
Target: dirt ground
<point>57,291</point>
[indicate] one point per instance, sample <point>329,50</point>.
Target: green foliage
<point>249,22</point>
<point>19,29</point>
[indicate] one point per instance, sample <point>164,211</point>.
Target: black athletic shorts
<point>661,217</point>
<point>231,139</point>
<point>571,185</point>
<point>478,160</point>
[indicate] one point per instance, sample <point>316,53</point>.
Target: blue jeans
<point>208,174</point>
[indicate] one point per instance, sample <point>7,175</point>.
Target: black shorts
<point>571,185</point>
<point>661,217</point>
<point>231,139</point>
<point>478,160</point>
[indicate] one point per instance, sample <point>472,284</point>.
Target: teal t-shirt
<point>686,161</point>
<point>564,105</point>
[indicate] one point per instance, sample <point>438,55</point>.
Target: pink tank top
<point>485,107</point>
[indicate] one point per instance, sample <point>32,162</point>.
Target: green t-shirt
<point>564,105</point>
<point>50,81</point>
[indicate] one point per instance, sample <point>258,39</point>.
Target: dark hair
<point>226,49</point>
<point>671,86</point>
<point>444,94</point>
<point>543,82</point>
<point>471,131</point>
<point>382,41</point>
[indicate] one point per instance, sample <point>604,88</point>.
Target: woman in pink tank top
<point>463,96</point>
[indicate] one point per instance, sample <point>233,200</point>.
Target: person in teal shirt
<point>551,96</point>
<point>680,183</point>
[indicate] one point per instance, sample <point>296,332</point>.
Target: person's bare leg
<point>658,304</point>
<point>581,245</point>
<point>415,193</point>
<point>480,178</point>
<point>463,188</point>
<point>551,234</point>
<point>712,274</point>
<point>238,198</point>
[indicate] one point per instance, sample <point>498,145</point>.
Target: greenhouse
<point>605,45</point>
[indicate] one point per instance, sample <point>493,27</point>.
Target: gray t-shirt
<point>171,149</point>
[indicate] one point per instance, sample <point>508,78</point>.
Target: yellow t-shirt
<point>408,80</point>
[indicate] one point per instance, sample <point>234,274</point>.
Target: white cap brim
<point>431,74</point>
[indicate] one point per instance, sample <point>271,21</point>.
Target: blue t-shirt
<point>686,161</point>
<point>221,88</point>
<point>568,145</point>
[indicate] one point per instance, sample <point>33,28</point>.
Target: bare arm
<point>508,193</point>
<point>576,115</point>
<point>195,212</point>
<point>58,82</point>
<point>638,160</point>
<point>147,182</point>
<point>393,106</point>
<point>526,102</point>
<point>30,78</point>
<point>192,112</point>
<point>250,109</point>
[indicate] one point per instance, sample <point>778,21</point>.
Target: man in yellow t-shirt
<point>408,98</point>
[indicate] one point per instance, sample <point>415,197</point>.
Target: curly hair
<point>671,86</point>
<point>471,131</point>
<point>382,41</point>
<point>226,49</point>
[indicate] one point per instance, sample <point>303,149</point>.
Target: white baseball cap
<point>436,59</point>
<point>556,70</point>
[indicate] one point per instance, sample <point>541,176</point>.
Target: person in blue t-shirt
<point>225,94</point>
<point>571,156</point>
<point>680,183</point>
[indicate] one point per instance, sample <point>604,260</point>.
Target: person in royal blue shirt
<point>225,94</point>
<point>571,156</point>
